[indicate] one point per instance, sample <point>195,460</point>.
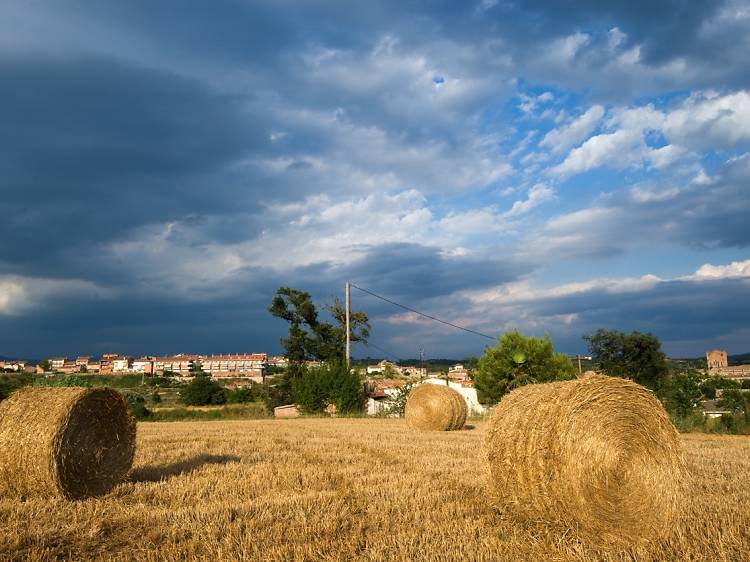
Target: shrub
<point>156,398</point>
<point>331,384</point>
<point>202,391</point>
<point>137,405</point>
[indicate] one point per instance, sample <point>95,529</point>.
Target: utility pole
<point>580,370</point>
<point>348,329</point>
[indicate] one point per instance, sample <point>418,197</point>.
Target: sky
<point>550,167</point>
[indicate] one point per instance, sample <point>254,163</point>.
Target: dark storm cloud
<point>93,147</point>
<point>707,215</point>
<point>678,310</point>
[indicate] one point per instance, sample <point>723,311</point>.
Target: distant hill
<point>740,359</point>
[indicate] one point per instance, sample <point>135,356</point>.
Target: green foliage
<point>745,384</point>
<point>10,383</point>
<point>64,380</point>
<point>251,410</point>
<point>308,337</point>
<point>330,384</point>
<point>709,386</point>
<point>395,406</point>
<point>680,393</point>
<point>202,391</point>
<point>735,400</point>
<point>45,365</point>
<point>137,405</point>
<point>156,398</point>
<point>251,393</point>
<point>635,356</point>
<point>517,360</point>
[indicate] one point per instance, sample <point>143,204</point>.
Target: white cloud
<point>734,270</point>
<point>537,195</point>
<point>19,294</point>
<point>563,138</point>
<point>708,120</point>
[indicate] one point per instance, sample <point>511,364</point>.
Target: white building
<point>466,390</point>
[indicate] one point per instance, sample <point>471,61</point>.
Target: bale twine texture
<point>435,407</point>
<point>598,455</point>
<point>70,443</point>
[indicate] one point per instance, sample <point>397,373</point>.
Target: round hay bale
<point>64,442</point>
<point>598,455</point>
<point>435,407</point>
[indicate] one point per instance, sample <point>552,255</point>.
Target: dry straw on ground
<point>64,442</point>
<point>435,407</point>
<point>598,455</point>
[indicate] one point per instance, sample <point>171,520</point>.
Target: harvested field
<point>320,489</point>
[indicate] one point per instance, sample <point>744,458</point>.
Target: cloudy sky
<point>164,167</point>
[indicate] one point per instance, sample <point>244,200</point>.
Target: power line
<point>370,344</point>
<point>423,314</point>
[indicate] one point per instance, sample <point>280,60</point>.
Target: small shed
<point>287,411</point>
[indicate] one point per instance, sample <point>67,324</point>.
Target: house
<point>83,360</point>
<point>710,409</point>
<point>378,393</point>
<point>288,411</point>
<point>278,361</point>
<point>56,362</point>
<point>93,367</point>
<point>180,364</point>
<point>386,367</point>
<point>251,365</point>
<point>69,367</point>
<point>466,390</point>
<point>459,373</point>
<point>14,365</point>
<point>120,364</point>
<point>143,365</point>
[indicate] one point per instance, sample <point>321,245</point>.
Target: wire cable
<point>423,314</point>
<point>396,357</point>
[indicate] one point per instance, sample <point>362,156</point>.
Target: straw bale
<point>64,442</point>
<point>598,455</point>
<point>435,407</point>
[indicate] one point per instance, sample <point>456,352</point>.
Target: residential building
<point>378,393</point>
<point>459,373</point>
<point>56,362</point>
<point>466,390</point>
<point>83,360</point>
<point>180,364</point>
<point>251,365</point>
<point>120,364</point>
<point>389,368</point>
<point>143,365</point>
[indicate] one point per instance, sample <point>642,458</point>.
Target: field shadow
<point>468,427</point>
<point>159,473</point>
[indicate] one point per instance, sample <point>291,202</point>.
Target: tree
<point>331,384</point>
<point>680,393</point>
<point>635,356</point>
<point>516,360</point>
<point>44,365</point>
<point>309,338</point>
<point>202,391</point>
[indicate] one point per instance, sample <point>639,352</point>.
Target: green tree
<point>45,365</point>
<point>330,384</point>
<point>708,387</point>
<point>681,392</point>
<point>517,360</point>
<point>735,400</point>
<point>202,391</point>
<point>637,356</point>
<point>308,337</point>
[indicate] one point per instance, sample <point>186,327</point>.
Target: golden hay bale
<point>64,442</point>
<point>435,407</point>
<point>598,455</point>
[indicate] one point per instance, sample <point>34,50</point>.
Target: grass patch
<point>247,411</point>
